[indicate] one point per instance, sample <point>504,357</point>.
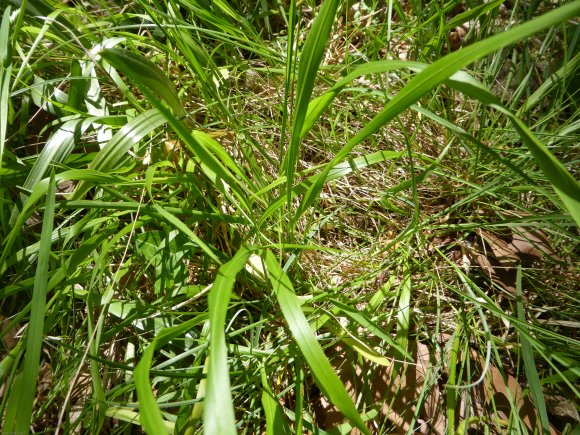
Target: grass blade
<point>35,331</point>
<point>116,149</point>
<point>146,73</point>
<point>219,409</point>
<point>529,361</point>
<point>149,413</point>
<point>310,59</point>
<point>5,73</point>
<point>322,371</point>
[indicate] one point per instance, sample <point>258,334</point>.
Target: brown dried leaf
<point>492,398</point>
<point>502,251</point>
<point>562,408</point>
<point>398,392</point>
<point>532,244</point>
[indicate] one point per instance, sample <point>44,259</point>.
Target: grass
<point>289,217</point>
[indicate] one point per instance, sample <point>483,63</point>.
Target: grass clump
<point>289,217</point>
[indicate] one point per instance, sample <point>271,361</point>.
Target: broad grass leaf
<point>5,73</point>
<point>35,330</point>
<point>149,413</point>
<point>116,149</point>
<point>322,371</point>
<point>404,313</point>
<point>144,73</point>
<point>310,58</point>
<point>55,151</point>
<point>434,75</point>
<point>219,410</point>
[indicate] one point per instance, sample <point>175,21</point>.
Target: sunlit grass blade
<point>116,149</point>
<point>534,383</point>
<point>35,330</point>
<point>404,312</point>
<point>276,422</point>
<point>56,150</point>
<point>219,409</point>
<point>5,73</point>
<point>434,75</point>
<point>150,416</point>
<point>145,73</point>
<point>310,58</point>
<point>322,371</point>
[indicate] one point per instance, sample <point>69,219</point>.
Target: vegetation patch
<point>289,217</point>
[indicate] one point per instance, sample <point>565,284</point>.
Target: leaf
<point>150,415</point>
<point>113,153</point>
<point>57,149</point>
<point>145,73</point>
<point>5,73</point>
<point>404,313</point>
<point>530,362</point>
<point>310,59</point>
<point>35,332</point>
<point>219,410</point>
<point>322,371</point>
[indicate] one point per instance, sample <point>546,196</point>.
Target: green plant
<point>287,217</point>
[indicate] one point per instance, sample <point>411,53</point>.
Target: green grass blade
<point>145,73</point>
<point>322,371</point>
<point>173,220</point>
<point>471,14</point>
<point>5,73</point>
<point>360,318</point>
<point>116,149</point>
<point>404,312</point>
<point>219,409</point>
<point>530,362</point>
<point>35,332</point>
<point>275,419</point>
<point>57,148</point>
<point>433,76</point>
<point>149,413</point>
<point>310,59</point>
